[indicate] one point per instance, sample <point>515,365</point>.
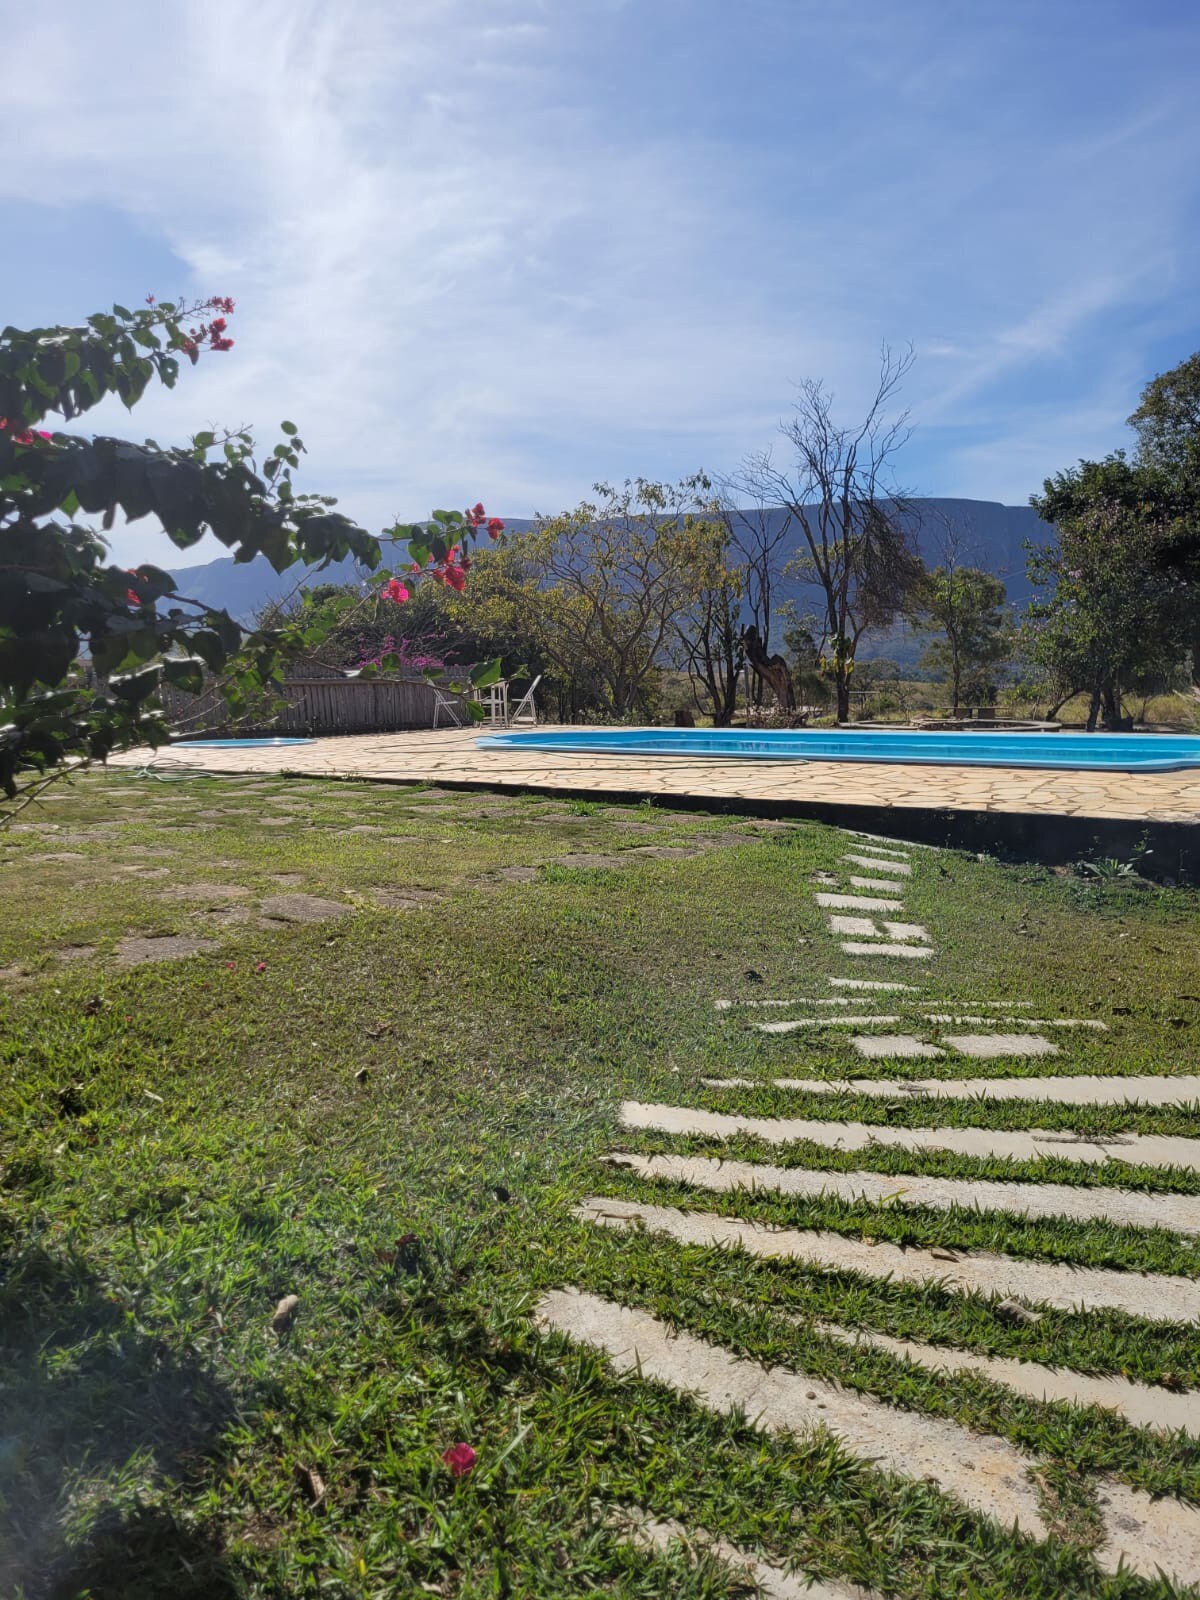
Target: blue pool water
<point>1072,752</point>
<point>235,744</point>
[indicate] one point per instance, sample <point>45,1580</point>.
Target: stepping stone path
<point>132,952</point>
<point>771,1582</point>
<point>303,908</point>
<point>971,1463</point>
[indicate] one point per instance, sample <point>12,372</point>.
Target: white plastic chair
<point>525,710</point>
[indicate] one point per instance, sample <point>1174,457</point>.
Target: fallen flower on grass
<point>459,1458</point>
<point>260,966</point>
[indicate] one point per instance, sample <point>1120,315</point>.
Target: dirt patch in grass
<point>57,855</point>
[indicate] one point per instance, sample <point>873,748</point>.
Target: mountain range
<point>983,533</point>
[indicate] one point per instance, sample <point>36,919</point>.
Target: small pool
<point>235,744</point>
<point>1071,752</point>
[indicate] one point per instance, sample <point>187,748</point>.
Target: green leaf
<point>185,672</point>
<point>289,427</point>
<point>485,674</point>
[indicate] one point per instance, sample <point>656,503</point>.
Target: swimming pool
<point>235,744</point>
<point>1072,752</point>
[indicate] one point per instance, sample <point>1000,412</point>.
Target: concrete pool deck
<point>1036,812</point>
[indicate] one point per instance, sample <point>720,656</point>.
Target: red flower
<point>395,591</point>
<point>494,527</point>
<point>260,966</point>
<point>456,578</point>
<point>132,597</point>
<point>217,325</point>
<point>150,299</point>
<point>460,1459</point>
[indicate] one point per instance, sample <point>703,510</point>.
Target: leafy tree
<point>85,644</point>
<point>1167,421</point>
<point>1113,611</point>
<point>856,532</point>
<point>965,608</point>
<point>1167,424</point>
<point>602,587</point>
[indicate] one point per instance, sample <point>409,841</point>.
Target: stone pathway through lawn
<point>976,1467</point>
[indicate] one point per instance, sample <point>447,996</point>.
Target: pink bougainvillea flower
<point>494,527</point>
<point>459,1458</point>
<point>132,597</point>
<point>231,965</point>
<point>260,966</point>
<point>395,591</point>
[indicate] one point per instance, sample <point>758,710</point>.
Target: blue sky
<point>500,248</point>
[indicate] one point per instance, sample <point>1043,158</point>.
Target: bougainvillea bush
<point>86,644</point>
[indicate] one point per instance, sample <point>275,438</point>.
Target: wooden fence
<point>314,706</point>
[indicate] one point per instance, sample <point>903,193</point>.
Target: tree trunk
<point>771,670</point>
<point>842,683</point>
<point>1093,709</point>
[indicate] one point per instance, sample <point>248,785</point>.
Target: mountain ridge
<point>988,535</point>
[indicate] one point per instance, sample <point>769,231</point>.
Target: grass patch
<point>391,1116</point>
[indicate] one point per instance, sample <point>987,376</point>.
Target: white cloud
<point>500,247</point>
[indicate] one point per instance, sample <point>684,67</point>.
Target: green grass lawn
<point>391,1112</point>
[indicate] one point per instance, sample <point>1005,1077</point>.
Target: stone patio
<point>1041,813</point>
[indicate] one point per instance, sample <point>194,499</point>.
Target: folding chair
<point>525,710</point>
<point>444,700</point>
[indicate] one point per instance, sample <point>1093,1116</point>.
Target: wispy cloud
<point>501,247</point>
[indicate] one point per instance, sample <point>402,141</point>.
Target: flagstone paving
<point>452,756</point>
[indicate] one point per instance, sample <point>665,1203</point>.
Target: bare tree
<point>758,536</point>
<point>857,526</point>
